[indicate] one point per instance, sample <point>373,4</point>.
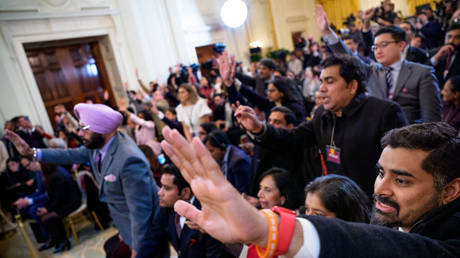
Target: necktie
<point>177,222</point>
<point>448,61</point>
<point>389,80</point>
<point>98,160</point>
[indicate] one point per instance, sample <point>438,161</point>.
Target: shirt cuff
<point>259,135</point>
<point>30,200</point>
<point>39,155</point>
<point>433,61</point>
<point>311,243</point>
<point>331,39</point>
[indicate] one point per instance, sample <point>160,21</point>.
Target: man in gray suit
<point>120,168</point>
<point>413,86</point>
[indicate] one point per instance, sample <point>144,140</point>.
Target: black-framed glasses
<point>382,45</point>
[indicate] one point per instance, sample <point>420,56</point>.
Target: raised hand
<point>23,148</point>
<point>321,20</point>
<point>247,118</point>
<point>227,68</point>
<point>225,214</point>
<point>368,14</point>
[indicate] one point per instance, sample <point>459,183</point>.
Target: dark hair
<point>341,195</point>
<point>412,27</point>
<point>289,116</point>
<point>282,85</point>
<point>348,36</point>
<point>218,139</point>
<point>172,110</point>
<point>147,115</point>
<point>208,127</point>
<point>455,83</point>
<point>350,69</point>
<point>155,166</point>
<point>285,185</point>
<point>439,139</point>
<point>396,32</point>
<point>454,26</point>
<point>268,63</point>
<point>179,180</point>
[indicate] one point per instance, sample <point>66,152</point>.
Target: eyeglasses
<point>84,128</point>
<point>271,90</point>
<point>382,45</point>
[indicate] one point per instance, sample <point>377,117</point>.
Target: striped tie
<point>389,80</point>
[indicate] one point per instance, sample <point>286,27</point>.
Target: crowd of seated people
<point>279,132</point>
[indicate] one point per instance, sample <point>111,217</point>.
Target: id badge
<point>333,154</point>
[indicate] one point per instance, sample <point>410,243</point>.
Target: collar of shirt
<point>225,161</point>
<point>183,219</point>
<point>104,149</point>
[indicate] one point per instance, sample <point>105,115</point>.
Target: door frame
<point>110,49</point>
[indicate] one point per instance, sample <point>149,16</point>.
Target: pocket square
<point>404,90</point>
<point>110,178</point>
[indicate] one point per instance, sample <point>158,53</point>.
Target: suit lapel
<point>404,75</point>
<point>109,155</point>
<point>381,80</point>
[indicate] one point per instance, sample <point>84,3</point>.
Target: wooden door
<point>69,75</point>
<point>204,53</point>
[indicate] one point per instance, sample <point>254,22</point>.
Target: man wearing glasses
<point>413,86</point>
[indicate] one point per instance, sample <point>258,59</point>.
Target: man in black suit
<point>446,60</point>
<point>188,242</point>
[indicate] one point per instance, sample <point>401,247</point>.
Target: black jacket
<point>63,192</point>
<point>436,234</point>
<point>357,133</point>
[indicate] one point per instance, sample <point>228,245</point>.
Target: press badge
<point>333,154</point>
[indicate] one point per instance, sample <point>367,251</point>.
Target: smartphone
<point>161,159</point>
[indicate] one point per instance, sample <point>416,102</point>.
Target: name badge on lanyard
<point>333,154</point>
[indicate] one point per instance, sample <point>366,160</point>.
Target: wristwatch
<point>285,230</point>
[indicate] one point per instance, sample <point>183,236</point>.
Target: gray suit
<point>131,197</point>
<point>416,90</point>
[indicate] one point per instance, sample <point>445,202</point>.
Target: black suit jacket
<point>436,234</point>
<point>357,133</point>
<point>416,55</point>
<point>441,66</point>
<point>192,243</point>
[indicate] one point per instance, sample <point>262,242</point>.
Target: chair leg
<point>32,249</point>
<point>97,220</point>
<point>74,232</point>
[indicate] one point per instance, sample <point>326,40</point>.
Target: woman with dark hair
<point>276,189</point>
<point>451,102</point>
<point>336,196</point>
<point>144,132</point>
<point>279,93</point>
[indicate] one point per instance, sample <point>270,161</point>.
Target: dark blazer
<point>416,55</point>
<point>436,234</point>
<point>64,195</point>
<point>416,89</point>
<point>193,243</point>
<point>34,139</point>
<point>357,133</point>
<point>239,172</point>
<point>454,68</point>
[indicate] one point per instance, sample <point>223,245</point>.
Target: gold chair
<point>81,217</point>
<point>23,232</point>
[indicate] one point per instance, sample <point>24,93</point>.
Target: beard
<point>383,219</point>
<point>407,221</point>
<point>96,141</point>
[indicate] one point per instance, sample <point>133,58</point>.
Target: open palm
<point>225,215</point>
